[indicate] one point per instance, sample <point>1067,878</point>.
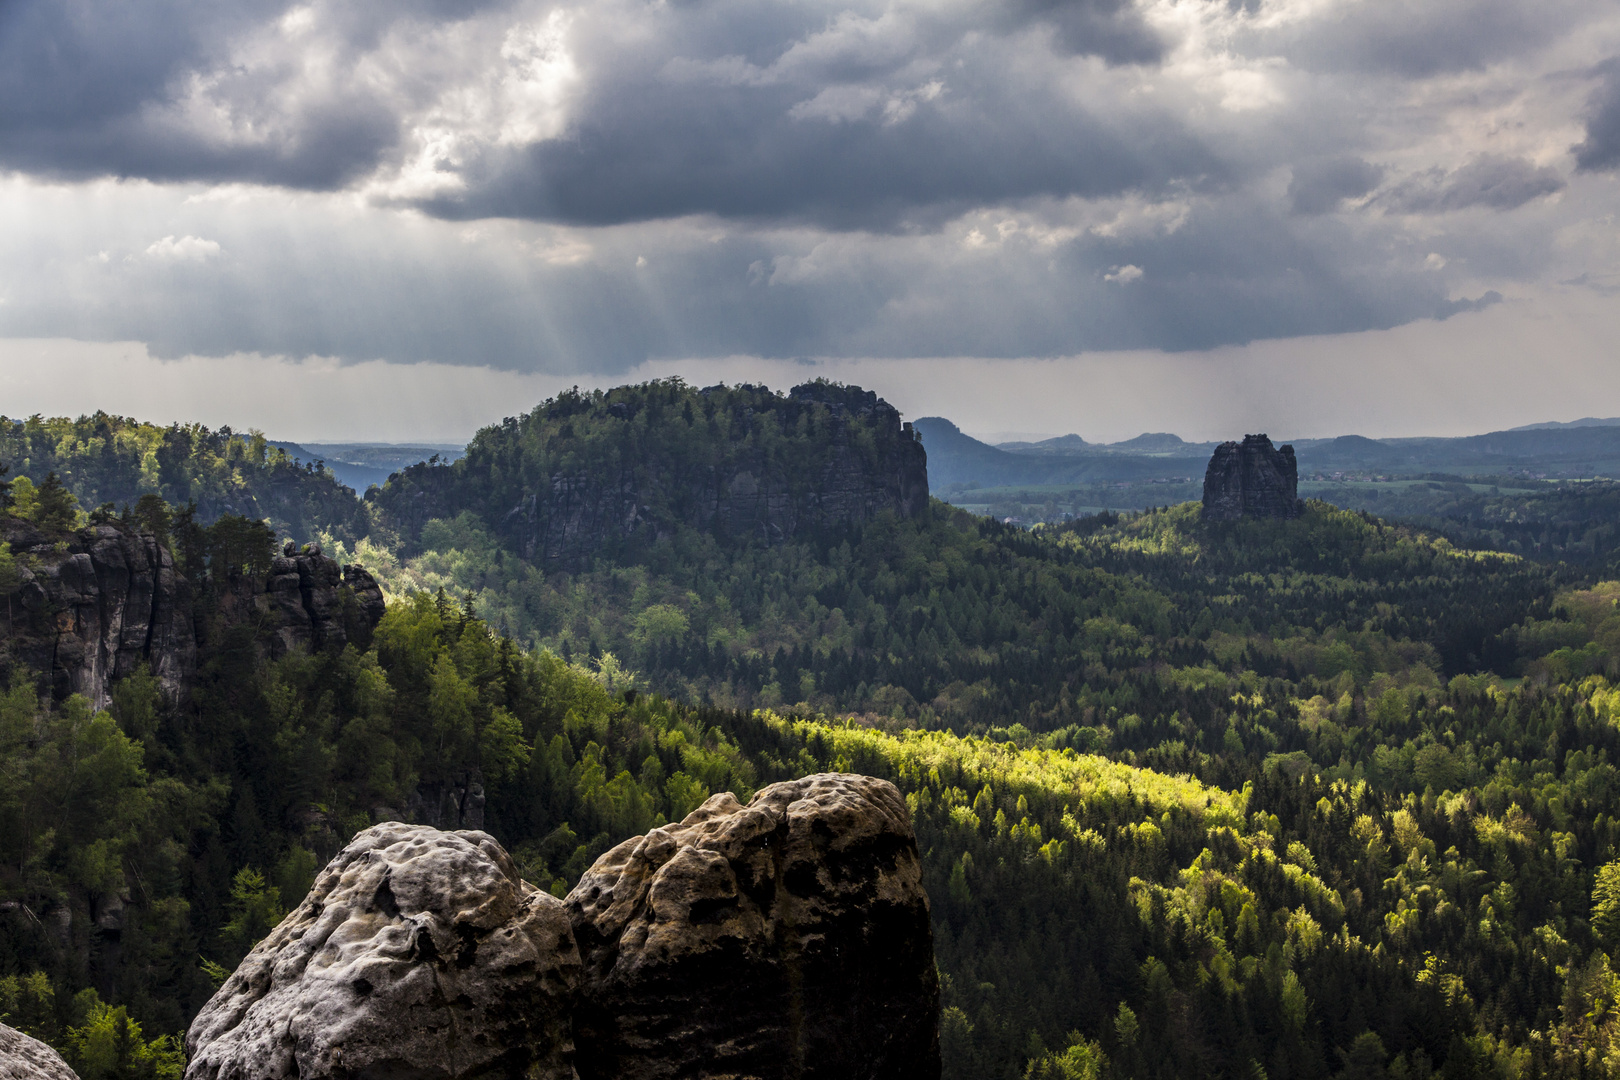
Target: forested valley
<point>1318,798</point>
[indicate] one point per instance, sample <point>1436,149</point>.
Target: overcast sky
<point>346,219</point>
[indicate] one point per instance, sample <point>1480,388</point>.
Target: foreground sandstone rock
<point>1252,479</point>
<point>418,954</point>
<point>26,1058</point>
<point>786,938</point>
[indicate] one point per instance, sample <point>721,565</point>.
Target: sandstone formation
<point>90,614</point>
<point>786,938</point>
<point>1252,479</point>
<point>26,1058</point>
<point>89,611</point>
<point>643,477</point>
<point>307,600</point>
<point>418,955</point>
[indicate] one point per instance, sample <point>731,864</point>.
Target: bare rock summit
<point>1252,479</point>
<point>786,938</point>
<point>418,954</point>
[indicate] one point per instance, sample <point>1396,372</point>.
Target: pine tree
<point>55,508</point>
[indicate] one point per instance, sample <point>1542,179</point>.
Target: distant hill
<point>956,459</point>
<point>1567,451</point>
<point>1578,449</point>
<point>1153,443</point>
<point>362,465</point>
<point>611,475</point>
<point>105,459</point>
<point>1585,421</point>
<point>1063,444</point>
<point>1159,442</point>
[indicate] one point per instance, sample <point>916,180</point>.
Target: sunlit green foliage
<point>102,459</point>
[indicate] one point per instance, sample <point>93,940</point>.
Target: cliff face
<point>623,470</point>
<point>1252,479</point>
<point>90,609</point>
<point>788,938</point>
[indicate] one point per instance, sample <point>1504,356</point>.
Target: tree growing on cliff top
<point>55,509</point>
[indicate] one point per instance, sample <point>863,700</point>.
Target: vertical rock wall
<point>1252,479</point>
<point>90,609</point>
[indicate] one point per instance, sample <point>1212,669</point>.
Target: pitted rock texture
<point>25,1058</point>
<point>786,938</point>
<point>1252,479</point>
<point>91,608</point>
<point>418,955</point>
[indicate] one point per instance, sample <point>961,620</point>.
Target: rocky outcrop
<point>624,471</point>
<point>418,955</point>
<point>88,609</point>
<point>307,600</point>
<point>1252,479</point>
<point>25,1058</point>
<point>786,938</point>
<point>91,610</point>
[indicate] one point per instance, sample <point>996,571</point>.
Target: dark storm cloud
<point>91,89</point>
<point>1320,186</point>
<point>1489,180</point>
<point>808,178</point>
<point>163,92</point>
<point>1223,271</point>
<point>1425,39</point>
<point>740,152</point>
<point>1600,151</point>
<point>1111,29</point>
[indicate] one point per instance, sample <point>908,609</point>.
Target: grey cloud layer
<point>828,112</point>
<point>1600,150</point>
<point>800,177</point>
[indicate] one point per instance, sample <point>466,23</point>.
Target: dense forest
<point>109,462</point>
<point>1329,797</point>
<point>959,621</point>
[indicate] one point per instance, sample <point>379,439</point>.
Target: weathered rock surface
<point>89,610</point>
<point>25,1058</point>
<point>1252,479</point>
<point>417,955</point>
<point>786,938</point>
<point>90,613</point>
<point>308,600</point>
<point>860,462</point>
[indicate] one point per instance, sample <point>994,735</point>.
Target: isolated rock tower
<point>1252,479</point>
